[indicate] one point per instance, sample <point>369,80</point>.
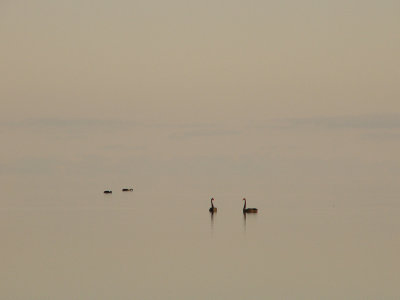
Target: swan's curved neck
<point>244,207</point>
<point>212,204</point>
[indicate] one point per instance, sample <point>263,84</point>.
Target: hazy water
<point>86,245</point>
<point>328,225</point>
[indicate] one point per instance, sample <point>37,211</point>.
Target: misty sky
<point>214,95</point>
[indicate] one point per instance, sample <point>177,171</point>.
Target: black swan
<point>249,210</point>
<point>212,208</point>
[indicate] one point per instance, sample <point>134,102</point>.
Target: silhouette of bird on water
<point>212,208</point>
<point>248,210</point>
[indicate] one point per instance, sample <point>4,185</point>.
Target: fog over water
<point>293,106</point>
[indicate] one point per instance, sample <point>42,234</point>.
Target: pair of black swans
<point>213,209</point>
<point>124,190</point>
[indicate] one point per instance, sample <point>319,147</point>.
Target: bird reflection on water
<point>244,221</point>
<point>212,220</point>
<point>251,218</point>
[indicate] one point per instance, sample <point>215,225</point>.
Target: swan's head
<point>212,199</point>
<point>244,199</point>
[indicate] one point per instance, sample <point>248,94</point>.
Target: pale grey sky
<point>195,61</point>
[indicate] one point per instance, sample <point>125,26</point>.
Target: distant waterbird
<point>248,210</point>
<point>127,190</point>
<point>212,208</point>
<point>107,192</point>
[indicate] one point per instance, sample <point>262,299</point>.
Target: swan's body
<point>212,208</point>
<point>127,190</point>
<point>107,192</point>
<point>248,210</point>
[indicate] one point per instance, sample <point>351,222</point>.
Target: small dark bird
<point>248,210</point>
<point>212,208</point>
<point>107,192</point>
<point>127,190</point>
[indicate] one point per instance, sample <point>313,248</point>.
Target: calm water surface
<point>134,245</point>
